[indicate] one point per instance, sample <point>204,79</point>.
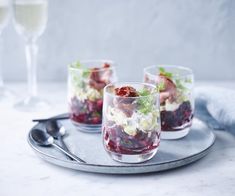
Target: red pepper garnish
<point>126,91</point>
<point>125,101</point>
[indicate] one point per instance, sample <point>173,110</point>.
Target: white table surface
<point>23,173</point>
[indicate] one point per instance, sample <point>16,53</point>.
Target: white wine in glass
<point>5,94</point>
<point>4,13</point>
<point>30,19</point>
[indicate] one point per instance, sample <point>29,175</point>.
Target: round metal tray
<point>89,147</point>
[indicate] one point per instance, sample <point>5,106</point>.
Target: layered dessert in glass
<point>131,121</point>
<point>175,84</point>
<point>85,92</point>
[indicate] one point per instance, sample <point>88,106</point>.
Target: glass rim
<point>91,69</point>
<point>155,92</point>
<point>189,70</point>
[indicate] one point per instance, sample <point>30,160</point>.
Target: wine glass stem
<point>31,50</point>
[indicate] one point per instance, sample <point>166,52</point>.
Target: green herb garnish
<point>86,73</point>
<point>179,85</point>
<point>78,75</point>
<point>146,102</point>
<point>144,92</point>
<point>76,80</point>
<point>78,65</point>
<point>165,73</point>
<point>161,86</point>
<point>188,80</point>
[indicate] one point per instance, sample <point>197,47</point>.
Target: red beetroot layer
<point>117,141</point>
<point>87,112</point>
<point>171,120</point>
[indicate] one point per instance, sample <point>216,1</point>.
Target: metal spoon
<point>42,138</point>
<point>60,117</point>
<point>57,131</point>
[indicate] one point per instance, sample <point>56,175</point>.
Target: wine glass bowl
<point>4,14</point>
<point>30,17</point>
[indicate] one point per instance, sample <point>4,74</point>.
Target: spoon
<point>42,138</point>
<point>61,117</point>
<point>55,129</point>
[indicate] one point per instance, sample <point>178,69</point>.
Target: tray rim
<point>176,163</point>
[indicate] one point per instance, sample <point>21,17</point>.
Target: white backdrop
<point>196,33</point>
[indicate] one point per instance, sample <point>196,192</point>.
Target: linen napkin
<point>216,107</point>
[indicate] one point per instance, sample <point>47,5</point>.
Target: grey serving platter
<point>88,146</point>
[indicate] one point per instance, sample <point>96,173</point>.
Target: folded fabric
<point>216,107</point>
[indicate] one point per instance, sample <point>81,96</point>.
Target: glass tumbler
<point>175,84</point>
<point>86,80</point>
<point>131,121</point>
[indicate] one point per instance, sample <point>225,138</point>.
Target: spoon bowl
<point>55,129</point>
<point>41,137</point>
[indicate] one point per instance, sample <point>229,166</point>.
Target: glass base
<point>6,95</point>
<point>87,127</point>
<point>136,158</point>
<point>32,104</point>
<point>171,135</point>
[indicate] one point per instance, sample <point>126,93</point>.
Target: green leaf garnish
<point>145,103</point>
<point>179,85</point>
<point>162,70</point>
<point>76,80</point>
<point>188,80</point>
<point>76,65</point>
<point>144,92</point>
<point>161,86</point>
<point>165,73</point>
<point>86,73</point>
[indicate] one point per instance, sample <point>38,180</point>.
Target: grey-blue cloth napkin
<point>216,107</point>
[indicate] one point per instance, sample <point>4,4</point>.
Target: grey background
<point>196,33</point>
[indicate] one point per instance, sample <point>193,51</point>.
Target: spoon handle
<point>64,146</point>
<point>74,157</point>
<point>62,117</point>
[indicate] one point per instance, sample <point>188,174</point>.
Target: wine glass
<point>5,94</point>
<point>30,19</point>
